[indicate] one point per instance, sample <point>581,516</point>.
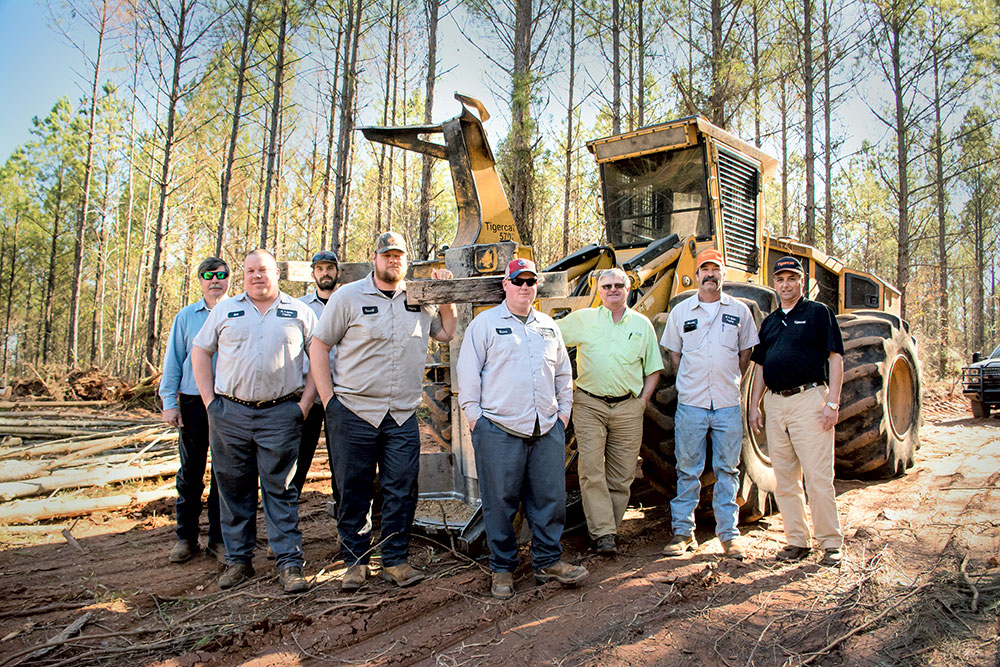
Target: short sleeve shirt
<point>709,374</point>
<point>612,358</point>
<point>795,346</point>
<point>381,354</point>
<point>260,357</point>
<point>513,372</point>
<point>312,300</point>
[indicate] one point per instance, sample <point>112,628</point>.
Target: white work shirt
<point>260,357</point>
<point>312,300</point>
<point>381,349</point>
<point>513,373</point>
<point>709,374</point>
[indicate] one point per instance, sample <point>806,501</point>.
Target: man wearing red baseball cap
<point>515,385</point>
<point>710,337</point>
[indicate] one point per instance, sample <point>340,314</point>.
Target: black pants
<point>310,438</point>
<point>193,448</point>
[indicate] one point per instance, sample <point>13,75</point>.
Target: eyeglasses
<point>518,282</point>
<point>208,275</point>
<point>609,286</point>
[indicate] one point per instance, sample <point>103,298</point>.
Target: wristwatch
<point>832,405</point>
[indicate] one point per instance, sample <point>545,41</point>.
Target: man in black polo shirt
<point>801,353</point>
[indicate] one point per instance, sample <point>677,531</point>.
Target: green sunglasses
<point>208,275</point>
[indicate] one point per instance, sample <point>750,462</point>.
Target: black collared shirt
<point>795,347</point>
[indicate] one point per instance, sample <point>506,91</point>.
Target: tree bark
<point>272,143</point>
<point>50,280</point>
<point>431,10</point>
<point>807,120</point>
<point>344,139</point>
<point>72,352</point>
<point>568,173</point>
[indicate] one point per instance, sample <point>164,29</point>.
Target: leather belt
<point>259,405</point>
<point>799,389</point>
<point>607,399</point>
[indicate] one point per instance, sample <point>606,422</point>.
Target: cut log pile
<point>52,448</point>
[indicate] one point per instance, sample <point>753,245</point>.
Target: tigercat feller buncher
<point>668,191</point>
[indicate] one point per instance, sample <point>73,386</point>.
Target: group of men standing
<point>253,378</point>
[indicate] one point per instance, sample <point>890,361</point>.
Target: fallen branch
<point>68,632</point>
<point>826,649</point>
<point>44,609</point>
<point>29,511</point>
<point>968,582</point>
<point>82,478</point>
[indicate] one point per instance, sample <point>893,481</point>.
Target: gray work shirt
<point>514,372</point>
<point>709,375</point>
<point>312,300</point>
<point>260,357</point>
<point>381,343</point>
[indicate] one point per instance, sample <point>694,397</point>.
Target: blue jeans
<point>193,449</point>
<point>512,470</point>
<point>357,447</point>
<point>691,425</point>
<point>250,444</point>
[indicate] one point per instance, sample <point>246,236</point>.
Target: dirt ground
<point>920,585</point>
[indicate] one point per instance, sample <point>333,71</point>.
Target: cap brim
<point>519,272</point>
<point>382,251</point>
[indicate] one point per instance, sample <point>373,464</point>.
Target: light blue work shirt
<point>177,377</point>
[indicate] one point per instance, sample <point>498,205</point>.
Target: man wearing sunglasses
<point>256,398</point>
<point>710,337</point>
<point>618,364</point>
<point>371,402</point>
<point>515,385</point>
<point>325,272</point>
<point>183,408</point>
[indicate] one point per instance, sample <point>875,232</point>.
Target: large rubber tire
<point>879,428</point>
<point>756,483</point>
<point>979,409</point>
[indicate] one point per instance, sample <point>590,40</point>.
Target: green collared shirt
<point>612,358</point>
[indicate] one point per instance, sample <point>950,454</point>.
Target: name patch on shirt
<point>236,313</point>
<point>546,332</point>
<point>690,325</point>
<point>369,310</point>
<point>798,321</point>
<point>412,309</point>
<point>730,319</point>
<point>504,331</point>
<point>287,313</point>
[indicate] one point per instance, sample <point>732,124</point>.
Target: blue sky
<point>35,69</point>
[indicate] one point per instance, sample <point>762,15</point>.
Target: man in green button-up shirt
<point>618,364</point>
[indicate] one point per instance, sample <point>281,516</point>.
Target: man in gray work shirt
<point>371,404</point>
<point>256,399</point>
<point>515,385</point>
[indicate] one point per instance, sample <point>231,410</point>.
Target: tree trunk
<point>50,281</point>
<point>827,132</point>
<point>616,77</point>
<point>568,174</point>
<point>227,173</point>
<point>12,269</point>
<point>272,143</point>
<point>431,9</point>
<point>902,158</point>
<point>642,67</point>
<point>783,107</point>
<point>97,331</point>
<point>72,352</point>
<point>808,119</point>
<point>344,139</point>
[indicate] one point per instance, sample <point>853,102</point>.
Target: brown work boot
<point>832,557</point>
<point>235,574</point>
<point>792,553</point>
<point>355,577</point>
<point>733,549</point>
<point>403,574</point>
<point>503,585</point>
<point>183,551</point>
<point>605,545</point>
<point>292,581</point>
<point>216,550</point>
<point>680,544</point>
<point>563,572</point>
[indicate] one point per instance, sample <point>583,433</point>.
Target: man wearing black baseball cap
<point>801,353</point>
<point>325,272</point>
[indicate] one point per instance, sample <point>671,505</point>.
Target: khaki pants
<point>799,447</point>
<point>608,437</point>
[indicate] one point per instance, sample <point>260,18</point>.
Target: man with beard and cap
<point>371,402</point>
<point>183,408</point>
<point>801,354</point>
<point>325,272</point>
<point>710,337</point>
<point>257,397</point>
<point>515,385</point>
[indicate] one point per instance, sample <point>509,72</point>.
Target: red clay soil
<point>920,585</point>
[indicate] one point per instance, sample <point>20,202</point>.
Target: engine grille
<point>739,184</point>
